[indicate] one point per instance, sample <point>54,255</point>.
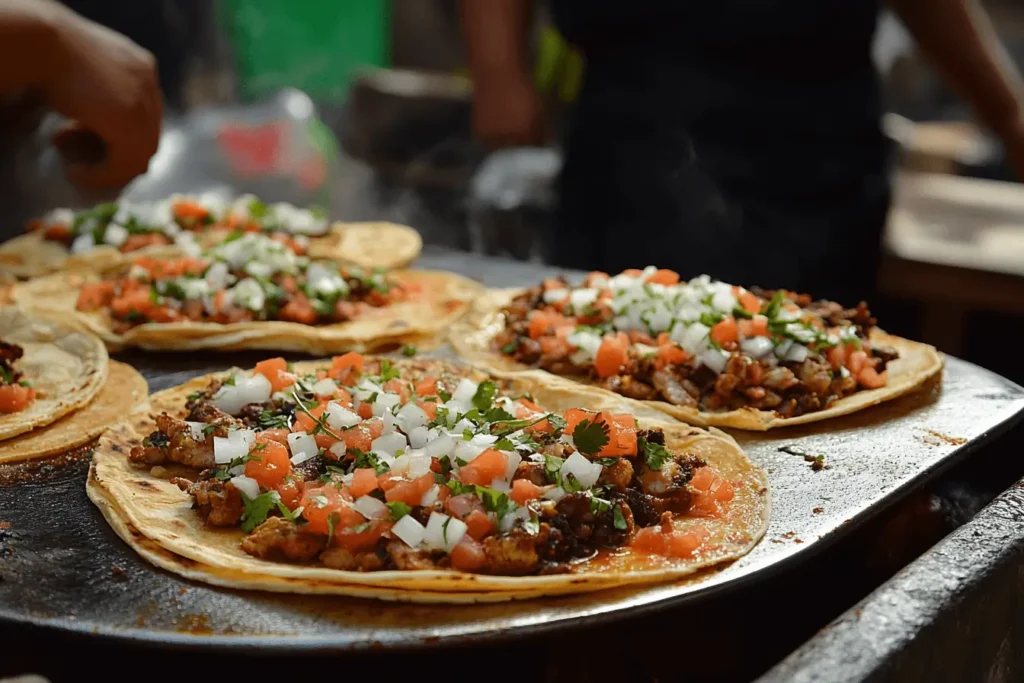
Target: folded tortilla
<point>445,298</point>
<point>917,364</point>
<point>156,518</point>
<point>368,245</point>
<point>66,366</point>
<point>125,389</point>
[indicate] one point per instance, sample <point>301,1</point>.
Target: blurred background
<point>364,106</point>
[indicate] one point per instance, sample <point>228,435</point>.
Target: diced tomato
<point>299,310</point>
<point>364,480</point>
<point>349,539</point>
<point>162,314</point>
<point>542,427</point>
<point>290,491</point>
<point>57,232</point>
<point>725,331</point>
<point>347,368</point>
<point>15,398</point>
<point>683,543</point>
<point>485,468</point>
<point>468,555</point>
<point>479,524</point>
<point>278,435</point>
<point>836,356</point>
<point>289,284</point>
<point>555,347</point>
<point>652,540</point>
<point>273,465</point>
<point>185,210</point>
<point>136,242</point>
<point>305,423</point>
<point>755,327</point>
<point>702,479</point>
<point>530,406</point>
<point>574,416</point>
<point>365,411</point>
<point>318,503</point>
<point>325,441</point>
<point>410,492</point>
<point>871,378</point>
<point>670,354</point>
<point>664,277</point>
<point>747,300</point>
<point>464,504</point>
<point>428,407</point>
<point>524,490</point>
<point>632,272</point>
<point>856,361</point>
<point>427,386</point>
<point>611,355</point>
<point>541,323</point>
<point>362,435</point>
<point>639,337</point>
<point>710,493</point>
<point>276,370</point>
<point>621,435</point>
<point>400,387</point>
<point>95,295</point>
<point>136,301</point>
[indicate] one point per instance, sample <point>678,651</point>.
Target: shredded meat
<point>672,389</point>
<point>532,471</point>
<point>404,557</point>
<point>217,502</point>
<point>511,554</point>
<point>278,539</point>
<point>359,561</point>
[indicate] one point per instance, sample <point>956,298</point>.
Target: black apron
<point>738,139</point>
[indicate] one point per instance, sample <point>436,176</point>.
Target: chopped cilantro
<point>817,461</point>
<point>510,348</point>
<point>270,419</point>
<point>445,396</point>
<point>332,519</point>
<point>156,440</point>
<point>409,351</point>
<point>495,501</point>
<point>599,505</point>
<point>740,312</point>
<point>24,383</point>
<point>483,399</point>
<point>503,445</point>
<point>467,434</point>
<point>194,396</point>
<point>318,212</point>
<point>552,465</point>
<point>257,209</point>
<point>497,414</point>
<point>618,519</point>
<point>654,453</point>
<point>532,525</point>
<point>771,308</point>
<point>590,437</point>
<point>365,460</point>
<point>387,372</point>
<point>557,422</point>
<point>710,319</point>
<point>444,530</point>
<point>256,509</point>
<point>458,488</point>
<point>6,375</point>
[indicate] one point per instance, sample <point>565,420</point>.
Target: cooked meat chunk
<point>590,527</point>
<point>667,486</point>
<point>618,475</point>
<point>404,557</point>
<point>216,501</point>
<point>278,539</point>
<point>309,470</point>
<point>512,554</point>
<point>359,561</point>
<point>9,354</point>
<point>672,389</point>
<point>816,377</point>
<point>646,510</point>
<point>885,354</point>
<point>631,387</point>
<point>780,379</point>
<point>534,472</point>
<point>206,412</point>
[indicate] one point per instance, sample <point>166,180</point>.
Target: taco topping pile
<point>129,226</point>
<point>16,394</point>
<point>247,277</point>
<point>368,466</point>
<point>702,343</point>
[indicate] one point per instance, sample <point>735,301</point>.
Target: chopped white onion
<point>500,485</point>
<point>250,487</point>
<point>465,392</point>
<point>419,464</point>
<point>83,243</point>
<point>411,417</point>
<point>556,494</point>
<point>384,402</point>
<point>370,507</point>
<point>390,422</point>
<point>418,437</point>
<point>553,296</point>
<point>756,347</point>
<point>340,417</point>
<point>115,235</point>
<point>440,446</point>
<point>246,390</point>
<point>409,531</point>
<point>714,359</point>
<point>797,353</point>
<point>782,348</point>
<point>585,472</point>
<point>339,449</point>
<point>325,387</point>
<point>430,497</point>
<point>443,532</point>
<point>389,443</point>
<point>235,445</point>
<point>513,464</point>
<point>302,446</point>
<point>197,430</point>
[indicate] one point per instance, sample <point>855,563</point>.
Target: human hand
<point>507,112</point>
<point>107,86</point>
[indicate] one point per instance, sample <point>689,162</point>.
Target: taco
<point>110,235</point>
<point>705,352</point>
<point>370,477</point>
<point>47,370</point>
<point>253,292</point>
<point>124,390</point>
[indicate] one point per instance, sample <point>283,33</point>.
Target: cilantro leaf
<point>387,372</point>
<point>654,453</point>
<point>495,501</point>
<point>409,351</point>
<point>590,437</point>
<point>445,396</point>
<point>497,414</point>
<point>368,460</point>
<point>483,399</point>
<point>332,519</point>
<point>504,445</point>
<point>618,519</point>
<point>552,465</point>
<point>599,505</point>
<point>771,308</point>
<point>256,509</point>
<point>271,419</point>
<point>557,422</point>
<point>710,319</point>
<point>510,348</point>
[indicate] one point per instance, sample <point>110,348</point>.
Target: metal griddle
<point>63,569</point>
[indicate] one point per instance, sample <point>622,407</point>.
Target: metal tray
<point>62,568</point>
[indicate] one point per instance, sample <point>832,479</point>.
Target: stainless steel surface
<point>62,568</point>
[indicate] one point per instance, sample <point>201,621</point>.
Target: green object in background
<point>317,46</point>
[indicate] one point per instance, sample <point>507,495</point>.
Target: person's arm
<point>103,82</point>
<point>506,107</point>
<point>958,39</point>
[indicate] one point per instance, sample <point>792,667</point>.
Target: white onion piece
<point>302,445</point>
<point>409,531</point>
<point>389,443</point>
<point>325,387</point>
<point>384,402</point>
<point>250,487</point>
<point>465,392</point>
<point>370,507</point>
<point>553,296</point>
<point>419,464</point>
<point>340,417</point>
<point>584,471</point>
<point>237,470</point>
<point>197,430</point>
<point>443,532</point>
<point>365,390</point>
<point>418,437</point>
<point>468,450</point>
<point>556,494</point>
<point>513,464</point>
<point>83,243</point>
<point>500,485</point>
<point>440,446</point>
<point>226,449</point>
<point>339,449</point>
<point>756,347</point>
<point>797,353</point>
<point>390,422</point>
<point>714,359</point>
<point>246,390</point>
<point>430,497</point>
<point>782,348</point>
<point>411,417</point>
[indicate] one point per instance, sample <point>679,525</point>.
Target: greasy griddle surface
<point>62,567</point>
